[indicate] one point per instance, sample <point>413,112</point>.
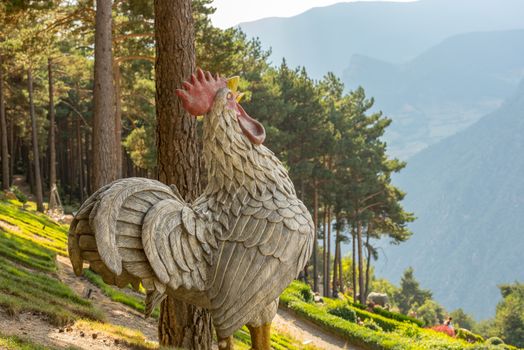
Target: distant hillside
<point>468,194</point>
<point>324,39</point>
<point>443,90</point>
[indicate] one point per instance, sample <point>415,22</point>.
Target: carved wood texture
<point>233,250</point>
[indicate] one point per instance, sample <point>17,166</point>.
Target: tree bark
<point>340,279</point>
<point>324,255</point>
<point>180,325</point>
<point>36,153</point>
<point>335,262</point>
<point>13,146</point>
<point>315,242</point>
<point>3,127</point>
<point>118,119</point>
<point>104,147</point>
<point>360,263</point>
<point>368,262</point>
<point>79,159</point>
<point>328,262</point>
<point>54,198</point>
<point>353,261</point>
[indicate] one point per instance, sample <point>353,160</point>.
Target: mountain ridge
<point>444,89</point>
<point>378,29</point>
<point>465,189</point>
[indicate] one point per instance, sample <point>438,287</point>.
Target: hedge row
<point>403,335</point>
<point>385,323</point>
<point>397,317</point>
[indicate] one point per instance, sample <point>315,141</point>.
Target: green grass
<point>130,337</point>
<point>279,341</point>
<point>29,242</point>
<point>117,295</point>
<point>25,252</point>
<point>34,226</point>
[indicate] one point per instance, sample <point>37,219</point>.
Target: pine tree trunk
<point>89,161</point>
<point>360,263</point>
<point>353,262</point>
<point>104,147</point>
<point>180,325</point>
<point>118,120</point>
<point>368,262</point>
<point>315,242</point>
<point>3,130</point>
<point>324,255</point>
<point>340,278</point>
<point>54,199</point>
<point>328,262</point>
<point>36,153</point>
<point>13,144</point>
<point>335,262</point>
<point>72,157</point>
<point>79,159</point>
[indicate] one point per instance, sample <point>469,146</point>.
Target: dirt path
<point>115,312</point>
<point>34,326</point>
<point>308,333</point>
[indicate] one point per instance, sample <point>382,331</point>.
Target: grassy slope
<point>29,242</point>
<point>28,281</point>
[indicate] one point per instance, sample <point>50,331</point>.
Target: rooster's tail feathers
<point>107,231</point>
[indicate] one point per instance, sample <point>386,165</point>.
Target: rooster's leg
<point>260,337</point>
<point>225,343</point>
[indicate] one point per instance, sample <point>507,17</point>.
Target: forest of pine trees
<point>80,107</point>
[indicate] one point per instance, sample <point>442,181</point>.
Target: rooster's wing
<point>140,230</point>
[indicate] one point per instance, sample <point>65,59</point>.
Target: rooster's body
<point>231,251</point>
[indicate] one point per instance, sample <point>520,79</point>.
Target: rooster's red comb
<point>199,92</point>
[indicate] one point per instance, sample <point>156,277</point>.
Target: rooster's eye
<point>229,96</point>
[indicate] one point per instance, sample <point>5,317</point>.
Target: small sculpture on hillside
<point>233,250</point>
<point>378,298</point>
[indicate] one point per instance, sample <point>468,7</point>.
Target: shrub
<point>369,323</point>
<point>341,310</point>
<point>494,341</point>
<point>397,316</point>
<point>296,290</point>
<point>358,305</point>
<point>468,336</point>
<point>385,323</point>
<point>19,194</point>
<point>306,293</point>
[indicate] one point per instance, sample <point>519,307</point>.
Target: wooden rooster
<point>232,251</point>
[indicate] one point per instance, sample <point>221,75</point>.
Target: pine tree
<point>180,324</point>
<point>410,294</point>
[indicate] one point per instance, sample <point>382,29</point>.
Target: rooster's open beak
<point>250,127</point>
<point>232,84</point>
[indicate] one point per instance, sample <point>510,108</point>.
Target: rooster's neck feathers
<point>233,162</point>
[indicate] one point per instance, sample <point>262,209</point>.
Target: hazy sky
<point>233,12</point>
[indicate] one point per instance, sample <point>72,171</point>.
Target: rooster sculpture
<point>232,251</point>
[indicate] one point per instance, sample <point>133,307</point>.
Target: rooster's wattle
<point>233,250</point>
